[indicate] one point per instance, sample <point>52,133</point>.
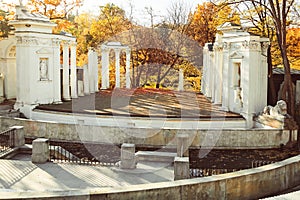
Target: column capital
<point>66,43</point>
<point>73,44</point>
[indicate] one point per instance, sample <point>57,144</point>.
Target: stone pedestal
<point>182,145</point>
<point>128,156</point>
<point>181,168</point>
<point>19,139</point>
<point>40,151</point>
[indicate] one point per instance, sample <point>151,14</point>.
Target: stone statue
<point>280,110</point>
<point>43,69</point>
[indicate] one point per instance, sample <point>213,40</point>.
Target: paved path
<point>23,175</point>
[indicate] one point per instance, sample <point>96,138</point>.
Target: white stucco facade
<point>34,71</point>
<point>235,72</point>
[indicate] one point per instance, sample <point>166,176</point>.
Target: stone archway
<point>117,47</point>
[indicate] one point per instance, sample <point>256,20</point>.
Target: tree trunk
<point>273,95</point>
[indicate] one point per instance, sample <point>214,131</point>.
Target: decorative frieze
<point>226,45</point>
<point>252,45</point>
<point>56,42</point>
<point>27,41</point>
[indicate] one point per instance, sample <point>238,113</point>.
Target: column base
<point>67,99</point>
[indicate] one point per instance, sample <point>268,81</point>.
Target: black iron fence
<point>259,163</point>
<point>61,155</point>
<point>194,173</point>
<point>7,140</point>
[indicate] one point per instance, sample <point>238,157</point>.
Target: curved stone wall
<point>246,184</point>
<point>231,139</point>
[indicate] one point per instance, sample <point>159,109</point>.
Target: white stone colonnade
<point>69,86</point>
<point>117,47</point>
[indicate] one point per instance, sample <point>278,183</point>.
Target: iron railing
<point>195,173</point>
<point>61,155</point>
<point>7,139</point>
<point>259,163</point>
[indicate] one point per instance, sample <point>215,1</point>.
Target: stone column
<point>181,168</point>
<point>66,73</point>
<point>226,77</point>
<point>128,156</point>
<point>96,69</point>
<point>91,70</point>
<point>181,80</point>
<point>105,68</point>
<point>73,71</point>
<point>40,151</point>
<point>118,82</point>
<point>56,70</point>
<point>204,72</point>
<point>128,80</point>
<point>86,82</point>
<point>218,74</point>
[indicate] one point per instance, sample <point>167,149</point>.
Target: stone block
<point>19,138</point>
<point>181,168</point>
<point>128,160</point>
<point>40,151</point>
<point>182,145</point>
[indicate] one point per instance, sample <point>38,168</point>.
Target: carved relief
<point>27,41</point>
<point>264,46</point>
<point>12,52</point>
<point>218,47</point>
<point>56,42</point>
<point>44,69</point>
<point>226,45</point>
<point>251,45</point>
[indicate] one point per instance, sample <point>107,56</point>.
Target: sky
<point>140,16</point>
<point>160,7</point>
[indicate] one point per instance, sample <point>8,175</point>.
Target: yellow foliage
<point>205,20</point>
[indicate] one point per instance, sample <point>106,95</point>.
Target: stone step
<point>155,156</point>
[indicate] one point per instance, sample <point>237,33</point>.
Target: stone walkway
<point>23,175</point>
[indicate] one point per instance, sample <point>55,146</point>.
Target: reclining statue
<point>280,110</point>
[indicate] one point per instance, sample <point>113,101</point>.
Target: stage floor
<point>143,103</point>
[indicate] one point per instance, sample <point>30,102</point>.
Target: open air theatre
<point>60,101</point>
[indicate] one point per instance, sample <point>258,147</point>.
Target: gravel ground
<point>199,158</point>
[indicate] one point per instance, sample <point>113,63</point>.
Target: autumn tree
<point>4,27</point>
<point>205,20</point>
<point>59,11</point>
<point>160,50</point>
